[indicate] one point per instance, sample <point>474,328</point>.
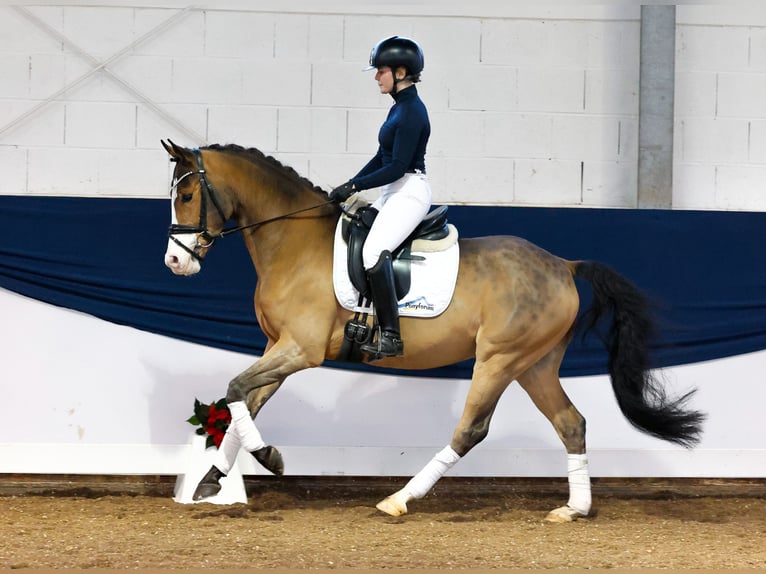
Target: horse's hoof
<point>394,505</point>
<point>564,514</point>
<point>271,459</point>
<point>210,484</point>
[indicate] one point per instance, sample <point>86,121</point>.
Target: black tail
<point>640,396</point>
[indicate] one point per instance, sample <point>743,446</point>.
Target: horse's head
<point>198,211</point>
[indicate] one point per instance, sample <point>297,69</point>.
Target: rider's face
<point>385,78</point>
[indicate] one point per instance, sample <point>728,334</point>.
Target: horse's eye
<point>186,197</point>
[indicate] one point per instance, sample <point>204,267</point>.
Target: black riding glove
<point>342,192</point>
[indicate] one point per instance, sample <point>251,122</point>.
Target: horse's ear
<point>177,152</point>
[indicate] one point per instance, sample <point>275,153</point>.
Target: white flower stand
<point>199,461</point>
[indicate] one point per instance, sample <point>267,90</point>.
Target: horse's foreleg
<point>229,449</point>
<point>541,382</point>
<point>473,427</point>
<point>280,361</point>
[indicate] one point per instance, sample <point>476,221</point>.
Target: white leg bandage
<point>243,424</point>
<point>422,482</point>
<point>228,451</point>
<point>579,483</point>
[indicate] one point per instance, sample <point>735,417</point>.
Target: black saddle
<point>355,230</point>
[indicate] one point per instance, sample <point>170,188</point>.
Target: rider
<point>398,168</point>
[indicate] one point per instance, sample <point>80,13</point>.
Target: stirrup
<point>387,344</point>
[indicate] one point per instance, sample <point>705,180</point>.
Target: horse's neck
<point>281,242</point>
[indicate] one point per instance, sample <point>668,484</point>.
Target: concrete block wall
<point>529,105</point>
<point>720,108</point>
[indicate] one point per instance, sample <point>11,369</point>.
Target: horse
<point>514,310</point>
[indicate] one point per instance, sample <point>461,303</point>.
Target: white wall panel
<point>611,91</point>
<point>694,186</point>
<point>47,129</point>
<point>456,134</point>
<point>609,183</point>
<point>758,142</point>
<point>15,72</point>
<point>362,130</point>
<point>149,174</point>
<point>47,75</point>
<point>86,86</point>
<point>741,95</point>
<point>714,140</point>
<point>744,185</point>
<point>362,32</point>
<point>21,37</point>
<point>321,130</point>
<point>115,400</point>
<point>757,50</point>
<point>551,90</point>
<point>745,14</point>
<point>100,125</point>
<point>291,37</point>
<point>287,83</point>
<point>486,180</point>
<point>207,81</point>
<point>151,75</point>
<point>719,82</point>
<point>100,31</point>
<point>586,137</point>
<point>553,64</point>
<point>151,126</point>
<point>293,133</point>
<point>518,135</point>
<point>712,48</point>
<point>62,171</point>
<point>614,45</point>
<point>249,35</point>
<point>696,93</point>
<point>547,182</point>
<point>345,85</point>
<point>448,42</point>
<point>326,35</point>
<point>531,105</point>
<point>327,127</point>
<point>329,170</point>
<point>248,126</point>
<point>484,88</point>
<point>515,42</point>
<point>14,162</point>
<point>184,38</point>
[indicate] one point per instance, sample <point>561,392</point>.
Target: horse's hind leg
<point>542,384</point>
<point>490,379</point>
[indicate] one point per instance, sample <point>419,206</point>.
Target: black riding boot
<point>389,341</point>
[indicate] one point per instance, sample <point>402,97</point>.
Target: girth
<point>355,229</point>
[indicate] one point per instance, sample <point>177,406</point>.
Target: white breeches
<point>402,205</point>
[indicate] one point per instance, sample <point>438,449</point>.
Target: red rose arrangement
<point>212,420</point>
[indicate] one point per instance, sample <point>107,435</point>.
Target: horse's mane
<point>257,156</point>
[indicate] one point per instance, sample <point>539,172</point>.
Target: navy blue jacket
<point>402,138</point>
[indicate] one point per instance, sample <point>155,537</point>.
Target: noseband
<point>205,238</point>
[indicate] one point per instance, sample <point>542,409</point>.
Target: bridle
<point>205,238</point>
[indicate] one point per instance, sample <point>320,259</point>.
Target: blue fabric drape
<point>104,257</point>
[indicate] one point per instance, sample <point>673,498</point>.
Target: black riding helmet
<point>397,51</point>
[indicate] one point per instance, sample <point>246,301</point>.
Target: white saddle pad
<point>432,285</point>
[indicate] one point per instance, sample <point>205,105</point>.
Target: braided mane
<point>258,157</point>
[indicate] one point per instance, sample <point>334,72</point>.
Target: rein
<point>229,231</point>
<point>202,231</point>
